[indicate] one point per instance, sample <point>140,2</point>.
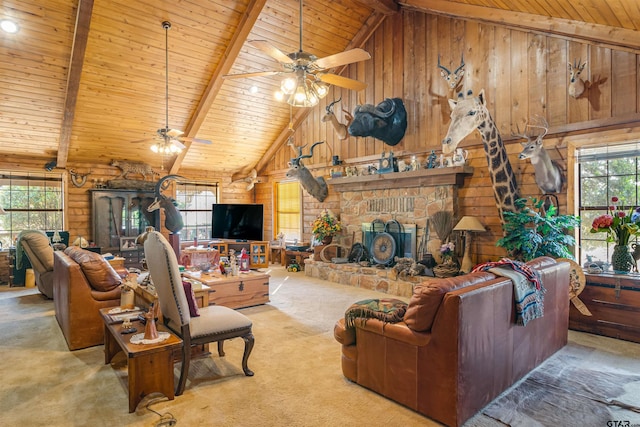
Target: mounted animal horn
<point>385,109</point>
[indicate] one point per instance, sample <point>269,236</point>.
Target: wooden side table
<point>150,366</point>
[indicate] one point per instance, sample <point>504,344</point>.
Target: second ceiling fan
<point>310,78</point>
<point>169,141</point>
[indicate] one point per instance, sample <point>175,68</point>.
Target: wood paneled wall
<point>523,74</point>
<point>78,199</point>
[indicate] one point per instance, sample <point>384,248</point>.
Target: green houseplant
<point>533,231</point>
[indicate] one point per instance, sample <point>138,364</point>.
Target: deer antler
<point>444,68</point>
<point>329,108</point>
<point>461,64</point>
<point>540,123</point>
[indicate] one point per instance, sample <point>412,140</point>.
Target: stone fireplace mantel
<point>420,178</point>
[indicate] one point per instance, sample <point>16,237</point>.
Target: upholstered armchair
<point>37,247</point>
<point>196,326</point>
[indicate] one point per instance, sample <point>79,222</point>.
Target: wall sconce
<point>467,225</point>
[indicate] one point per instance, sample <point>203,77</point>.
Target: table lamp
<point>467,225</point>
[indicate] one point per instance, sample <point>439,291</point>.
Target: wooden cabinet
<point>258,251</point>
<point>5,268</point>
<point>121,214</point>
<point>259,254</point>
<point>614,302</point>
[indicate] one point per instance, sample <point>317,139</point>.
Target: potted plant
<point>619,225</point>
<point>325,226</point>
<point>534,231</point>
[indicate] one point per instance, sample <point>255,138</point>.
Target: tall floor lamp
<point>467,225</point>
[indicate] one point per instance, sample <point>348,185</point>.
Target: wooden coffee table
<point>150,366</point>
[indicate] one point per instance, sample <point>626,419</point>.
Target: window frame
<point>608,154</point>
<point>54,218</point>
<point>186,232</point>
<point>276,210</point>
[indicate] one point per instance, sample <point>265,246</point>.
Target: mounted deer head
<point>576,84</point>
<point>316,187</point>
<point>341,129</point>
<point>78,179</point>
<point>548,173</point>
<point>453,79</point>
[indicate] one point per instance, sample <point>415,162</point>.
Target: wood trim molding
<point>245,26</point>
<point>420,178</point>
<point>619,37</point>
<point>80,36</point>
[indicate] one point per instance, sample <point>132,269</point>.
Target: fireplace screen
<point>409,238</point>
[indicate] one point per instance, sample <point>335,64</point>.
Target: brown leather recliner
<point>83,284</point>
<point>459,346</point>
<point>37,247</point>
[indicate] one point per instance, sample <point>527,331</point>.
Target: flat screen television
<point>237,221</point>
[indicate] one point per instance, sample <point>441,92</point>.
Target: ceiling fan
<point>169,141</point>
<point>309,71</point>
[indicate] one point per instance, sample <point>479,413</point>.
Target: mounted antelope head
<point>548,173</point>
<point>316,187</point>
<point>576,84</point>
<point>453,79</point>
<point>341,129</point>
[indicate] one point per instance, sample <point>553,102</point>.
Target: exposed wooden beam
<point>619,37</point>
<point>81,34</point>
<point>388,7</point>
<point>371,24</point>
<point>231,53</point>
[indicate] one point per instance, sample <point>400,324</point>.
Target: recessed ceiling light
<point>9,26</point>
<point>253,89</point>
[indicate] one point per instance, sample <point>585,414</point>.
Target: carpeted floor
<point>297,382</point>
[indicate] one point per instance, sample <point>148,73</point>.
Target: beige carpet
<point>297,382</point>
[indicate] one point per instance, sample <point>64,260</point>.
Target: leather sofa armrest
<point>343,335</point>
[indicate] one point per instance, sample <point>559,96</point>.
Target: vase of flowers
<point>325,226</point>
<point>620,225</point>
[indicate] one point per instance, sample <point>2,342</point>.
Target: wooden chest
<point>244,290</point>
<point>614,302</point>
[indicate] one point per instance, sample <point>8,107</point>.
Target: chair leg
<point>248,346</point>
<point>221,348</point>
<point>184,369</point>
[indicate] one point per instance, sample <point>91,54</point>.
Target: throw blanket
<point>387,309</point>
<point>528,289</point>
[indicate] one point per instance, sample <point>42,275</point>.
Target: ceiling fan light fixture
<point>289,85</point>
<point>321,88</point>
<point>304,96</point>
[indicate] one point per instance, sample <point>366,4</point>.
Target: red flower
<point>622,214</point>
<point>614,199</point>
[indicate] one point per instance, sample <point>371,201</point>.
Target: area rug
<point>572,389</point>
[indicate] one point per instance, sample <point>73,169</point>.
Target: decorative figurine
<point>431,160</point>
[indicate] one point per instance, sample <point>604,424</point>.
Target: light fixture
<point>304,89</point>
<point>168,146</point>
<point>467,225</point>
<point>9,26</point>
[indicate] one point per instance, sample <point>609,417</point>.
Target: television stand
<point>258,250</point>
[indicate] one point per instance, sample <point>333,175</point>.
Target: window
<point>604,172</point>
<point>194,202</point>
<point>288,210</point>
<point>31,201</point>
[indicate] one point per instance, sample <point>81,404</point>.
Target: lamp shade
<point>469,223</point>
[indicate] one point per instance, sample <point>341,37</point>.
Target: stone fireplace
<point>407,197</point>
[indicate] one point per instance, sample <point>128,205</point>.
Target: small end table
<point>150,366</point>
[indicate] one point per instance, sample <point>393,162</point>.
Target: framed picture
<point>128,244</point>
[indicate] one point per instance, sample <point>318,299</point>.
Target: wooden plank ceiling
<point>82,79</point>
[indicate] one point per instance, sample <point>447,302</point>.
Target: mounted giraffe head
<point>576,84</point>
<point>453,79</point>
<point>466,115</point>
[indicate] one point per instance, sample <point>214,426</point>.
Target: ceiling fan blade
<point>142,140</point>
<point>256,74</point>
<point>174,133</point>
<point>201,141</point>
<point>334,79</point>
<point>272,51</point>
<point>347,57</point>
<point>178,144</point>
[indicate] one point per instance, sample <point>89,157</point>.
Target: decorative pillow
<point>426,298</point>
<point>99,273</point>
<point>191,299</point>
